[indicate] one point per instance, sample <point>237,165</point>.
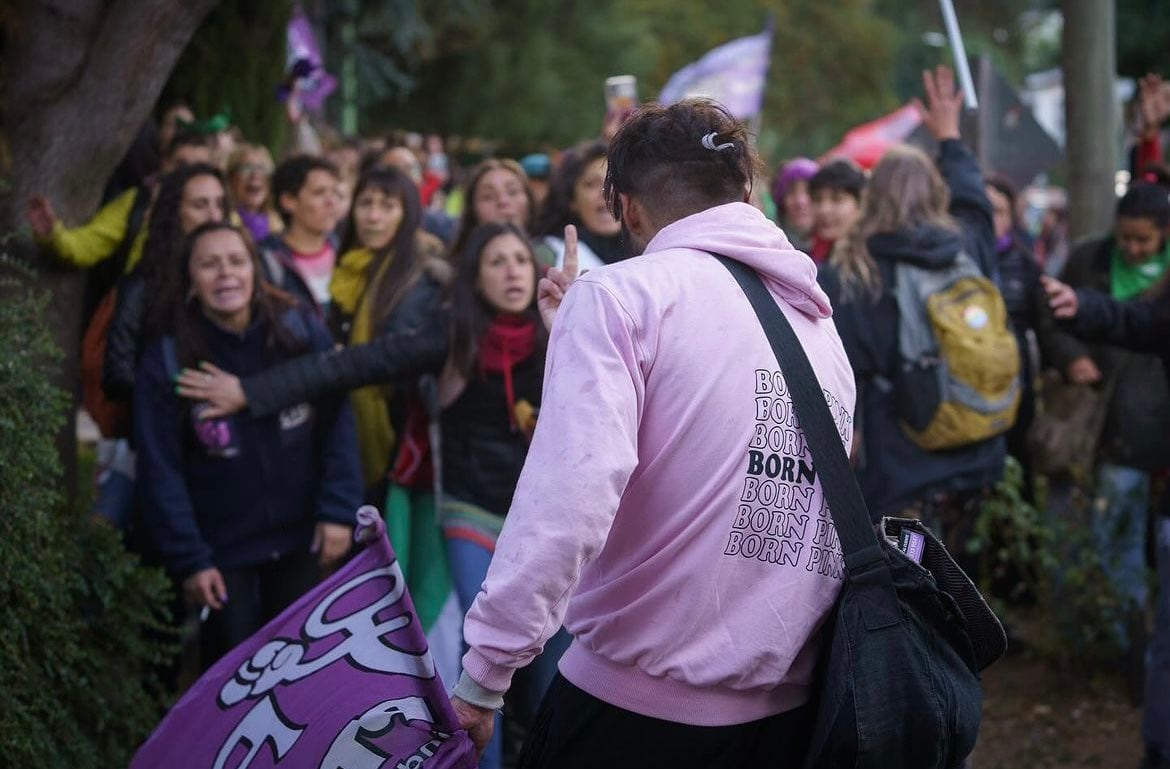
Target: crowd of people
<point>272,344</point>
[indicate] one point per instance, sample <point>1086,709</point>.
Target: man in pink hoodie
<point>669,513</point>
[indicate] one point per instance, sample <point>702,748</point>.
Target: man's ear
<point>633,215</point>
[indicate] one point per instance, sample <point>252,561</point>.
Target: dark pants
<point>574,729</point>
<point>256,594</point>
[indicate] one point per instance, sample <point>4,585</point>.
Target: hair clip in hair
<point>709,143</point>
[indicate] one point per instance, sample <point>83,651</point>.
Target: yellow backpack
<point>960,365</point>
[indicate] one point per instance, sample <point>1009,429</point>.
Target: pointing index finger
<point>570,265</point>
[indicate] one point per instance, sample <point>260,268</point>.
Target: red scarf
<point>509,340</point>
<point>820,249</point>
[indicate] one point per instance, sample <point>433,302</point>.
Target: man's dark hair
<point>187,139</point>
<point>838,174</point>
<point>291,175</point>
<point>680,160</point>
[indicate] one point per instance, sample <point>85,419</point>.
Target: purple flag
<point>342,679</point>
<point>313,83</point>
<point>732,74</point>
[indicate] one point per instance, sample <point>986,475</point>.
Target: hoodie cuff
<point>470,691</point>
<point>489,675</point>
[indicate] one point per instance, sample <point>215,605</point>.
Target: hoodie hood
<point>742,232</point>
<point>922,246</point>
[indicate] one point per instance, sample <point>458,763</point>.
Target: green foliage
<point>234,64</point>
<point>1143,37</point>
<point>1050,560</point>
<point>79,618</point>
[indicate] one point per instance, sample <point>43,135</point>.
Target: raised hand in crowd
<point>214,386</point>
<point>206,588</point>
<point>551,290</point>
<point>1153,103</point>
<point>944,103</point>
<point>40,215</point>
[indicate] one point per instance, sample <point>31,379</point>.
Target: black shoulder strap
<point>859,543</point>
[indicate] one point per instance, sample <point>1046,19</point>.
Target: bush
<point>81,622</point>
<point>1051,565</point>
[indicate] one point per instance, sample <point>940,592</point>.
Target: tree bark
<point>79,79</point>
<point>1092,117</point>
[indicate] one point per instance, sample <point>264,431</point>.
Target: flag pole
<point>960,52</point>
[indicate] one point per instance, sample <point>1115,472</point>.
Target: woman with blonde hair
<point>928,216</point>
<point>249,174</point>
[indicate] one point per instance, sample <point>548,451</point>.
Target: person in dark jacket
<point>235,508</point>
<point>1019,282</point>
<point>1141,325</point>
<point>925,217</point>
<point>186,198</point>
<point>1135,439</point>
<point>385,254</point>
<point>836,191</point>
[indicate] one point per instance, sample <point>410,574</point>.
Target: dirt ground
<point>1035,717</point>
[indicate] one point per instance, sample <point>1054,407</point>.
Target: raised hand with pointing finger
<point>551,291</point>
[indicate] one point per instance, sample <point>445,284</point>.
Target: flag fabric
<point>732,74</point>
<point>866,143</point>
<point>342,679</point>
<point>313,83</point>
<point>412,527</point>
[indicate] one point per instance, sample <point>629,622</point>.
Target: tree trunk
<point>79,79</point>
<point>1089,58</point>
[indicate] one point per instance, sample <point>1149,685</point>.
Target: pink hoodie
<point>669,510</point>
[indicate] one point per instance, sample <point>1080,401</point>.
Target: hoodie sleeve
<point>582,456</point>
<point>167,512</point>
<point>339,490</point>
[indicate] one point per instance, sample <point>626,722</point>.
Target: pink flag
<point>342,679</point>
<point>866,143</point>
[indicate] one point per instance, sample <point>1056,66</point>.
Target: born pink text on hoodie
<point>669,512</point>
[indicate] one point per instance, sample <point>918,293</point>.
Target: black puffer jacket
<point>412,341</point>
<point>1138,423</point>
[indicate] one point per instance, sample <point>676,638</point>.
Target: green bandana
<point>1127,281</point>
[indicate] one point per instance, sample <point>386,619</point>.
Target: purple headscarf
<point>795,170</point>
